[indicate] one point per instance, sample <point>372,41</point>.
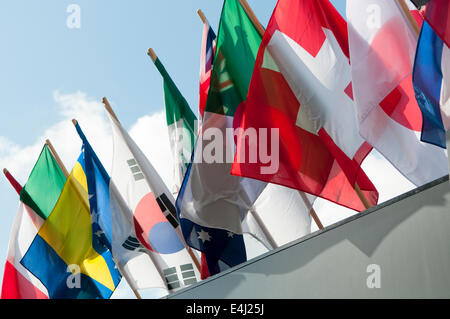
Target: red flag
<point>302,86</point>
<point>206,62</point>
<point>437,14</point>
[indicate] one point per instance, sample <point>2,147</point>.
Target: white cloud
<point>149,132</point>
<point>151,135</point>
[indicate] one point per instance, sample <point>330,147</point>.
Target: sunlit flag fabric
<point>302,86</point>
<point>285,213</point>
<point>437,14</point>
<point>382,48</point>
<point>66,243</point>
<point>212,203</point>
<point>431,80</point>
<point>112,224</point>
<point>206,62</point>
<point>210,196</point>
<point>38,198</point>
<point>152,210</point>
<point>182,125</point>
<point>221,249</point>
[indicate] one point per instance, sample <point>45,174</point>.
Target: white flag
<point>152,211</point>
<point>382,50</point>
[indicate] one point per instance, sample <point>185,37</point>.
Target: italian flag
<point>182,125</point>
<point>37,199</point>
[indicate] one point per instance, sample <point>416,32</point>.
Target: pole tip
<point>152,54</point>
<point>201,15</point>
<point>75,122</point>
<point>104,100</point>
<point>5,171</point>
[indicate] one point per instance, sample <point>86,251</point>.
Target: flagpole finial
<point>152,54</point>
<point>201,15</point>
<point>109,109</point>
<point>57,158</point>
<point>75,122</point>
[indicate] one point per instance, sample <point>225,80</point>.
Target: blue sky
<point>50,72</point>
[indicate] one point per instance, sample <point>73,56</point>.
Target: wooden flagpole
<point>201,15</point>
<point>189,250</point>
<point>409,17</point>
<point>252,17</point>
<point>151,53</point>
<point>361,196</point>
<point>57,158</point>
<point>263,228</point>
<point>312,211</point>
<point>14,183</point>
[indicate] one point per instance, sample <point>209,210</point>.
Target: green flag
<point>238,42</point>
<point>182,125</point>
<point>44,185</point>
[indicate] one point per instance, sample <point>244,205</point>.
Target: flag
<point>285,212</point>
<point>437,14</point>
<point>414,7</point>
<point>431,80</point>
<point>206,61</point>
<point>66,255</point>
<point>300,97</point>
<point>37,200</point>
<point>151,208</point>
<point>212,203</point>
<point>220,249</point>
<point>182,125</point>
<point>382,47</point>
<point>112,224</point>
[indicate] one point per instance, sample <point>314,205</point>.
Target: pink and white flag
<point>382,49</point>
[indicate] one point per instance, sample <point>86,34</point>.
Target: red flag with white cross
<point>302,86</point>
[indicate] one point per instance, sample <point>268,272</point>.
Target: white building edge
<point>399,249</point>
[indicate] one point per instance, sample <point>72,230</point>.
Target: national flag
<point>220,249</point>
<point>151,209</point>
<point>212,203</point>
<point>302,87</point>
<point>431,80</point>
<point>112,225</point>
<point>382,48</point>
<point>66,255</point>
<point>437,14</point>
<point>182,125</point>
<point>414,10</point>
<point>37,200</point>
<point>206,62</point>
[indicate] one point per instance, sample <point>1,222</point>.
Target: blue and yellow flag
<point>66,243</point>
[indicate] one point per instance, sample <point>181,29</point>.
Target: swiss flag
<point>302,86</point>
